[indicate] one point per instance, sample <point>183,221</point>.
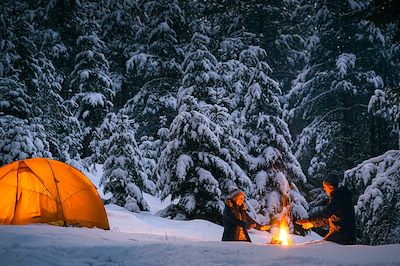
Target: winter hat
<point>332,180</point>
<point>234,191</point>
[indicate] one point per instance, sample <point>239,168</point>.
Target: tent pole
<point>59,204</point>
<point>16,194</point>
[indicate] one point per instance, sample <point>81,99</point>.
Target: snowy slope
<point>146,239</point>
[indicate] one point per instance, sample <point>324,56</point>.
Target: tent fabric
<point>40,190</point>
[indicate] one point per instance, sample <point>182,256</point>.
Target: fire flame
<point>282,237</point>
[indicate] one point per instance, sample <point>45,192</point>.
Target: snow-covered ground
<point>122,220</point>
<point>146,239</point>
<point>50,245</point>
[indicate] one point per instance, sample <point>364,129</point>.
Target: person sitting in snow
<point>236,220</point>
<point>339,214</point>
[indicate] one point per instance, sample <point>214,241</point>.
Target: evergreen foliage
<point>190,98</point>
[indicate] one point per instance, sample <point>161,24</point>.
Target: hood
<point>229,202</point>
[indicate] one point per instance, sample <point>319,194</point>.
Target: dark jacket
<point>236,217</point>
<point>339,215</point>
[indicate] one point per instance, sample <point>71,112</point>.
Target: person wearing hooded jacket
<point>236,221</point>
<point>339,214</point>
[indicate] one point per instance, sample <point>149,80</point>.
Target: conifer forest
<point>185,99</point>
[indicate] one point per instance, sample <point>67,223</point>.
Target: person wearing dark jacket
<point>339,214</point>
<point>236,220</point>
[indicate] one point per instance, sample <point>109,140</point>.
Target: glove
<point>305,224</point>
<point>265,228</point>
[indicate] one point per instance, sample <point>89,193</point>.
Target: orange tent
<point>41,190</point>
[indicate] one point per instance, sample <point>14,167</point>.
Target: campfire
<point>282,236</point>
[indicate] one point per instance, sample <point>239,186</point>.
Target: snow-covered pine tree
<point>203,164</point>
<point>122,31</point>
<point>149,147</point>
<point>91,85</point>
<point>154,111</point>
<point>256,22</point>
<point>382,13</point>
<point>62,128</point>
<point>21,139</point>
<point>153,73</point>
<point>274,169</point>
<point>376,185</point>
<point>43,85</point>
<point>14,98</point>
<point>45,82</point>
<point>8,54</point>
<point>41,81</point>
<point>261,19</point>
<point>327,104</point>
<point>23,127</point>
<point>154,70</point>
<point>385,102</point>
<point>232,149</point>
<point>234,77</point>
<point>166,25</point>
<point>203,81</point>
<point>376,181</point>
<point>124,176</point>
<point>200,67</point>
<point>192,165</point>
